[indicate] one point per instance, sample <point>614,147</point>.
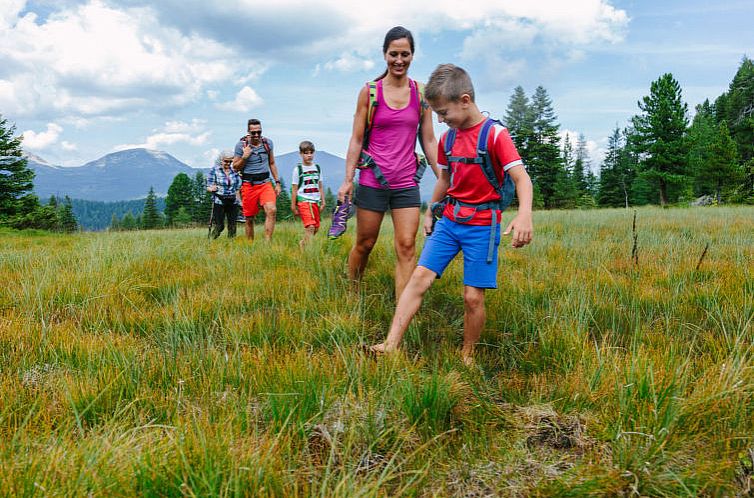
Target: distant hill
<point>119,176</point>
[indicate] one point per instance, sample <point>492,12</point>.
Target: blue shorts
<point>449,238</point>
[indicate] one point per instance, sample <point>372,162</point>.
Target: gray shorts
<point>380,200</point>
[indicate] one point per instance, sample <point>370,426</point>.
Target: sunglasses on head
<point>256,133</point>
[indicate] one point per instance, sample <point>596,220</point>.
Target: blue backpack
<point>506,190</point>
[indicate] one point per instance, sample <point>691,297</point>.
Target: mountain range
<point>129,174</point>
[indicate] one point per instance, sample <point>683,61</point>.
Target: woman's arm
<point>354,144</point>
<point>429,141</point>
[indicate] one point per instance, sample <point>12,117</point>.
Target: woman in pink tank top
<point>391,143</point>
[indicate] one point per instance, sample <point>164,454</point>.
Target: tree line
<point>19,207</point>
<point>660,158</point>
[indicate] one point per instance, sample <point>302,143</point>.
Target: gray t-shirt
<point>258,161</point>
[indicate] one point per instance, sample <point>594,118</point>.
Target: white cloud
<point>44,139</point>
<point>349,62</point>
<point>95,59</point>
<point>182,127</point>
<point>68,146</point>
<point>246,100</point>
<point>174,132</point>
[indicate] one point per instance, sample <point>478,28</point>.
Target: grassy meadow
<point>162,364</point>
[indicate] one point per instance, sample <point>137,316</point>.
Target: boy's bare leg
<point>308,234</point>
<point>367,229</point>
<point>270,212</point>
<point>473,321</point>
<point>249,227</point>
<point>405,225</point>
<point>408,304</point>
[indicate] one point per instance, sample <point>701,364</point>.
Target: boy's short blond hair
<point>306,145</point>
<point>448,82</point>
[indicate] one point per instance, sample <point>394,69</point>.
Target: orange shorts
<point>253,196</point>
<point>309,212</point>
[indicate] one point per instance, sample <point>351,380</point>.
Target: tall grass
<point>162,364</point>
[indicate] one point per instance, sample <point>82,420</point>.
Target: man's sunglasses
<point>255,133</point>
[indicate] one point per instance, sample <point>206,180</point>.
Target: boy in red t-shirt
<point>471,200</point>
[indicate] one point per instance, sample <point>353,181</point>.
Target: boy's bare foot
<point>379,349</point>
<point>467,356</point>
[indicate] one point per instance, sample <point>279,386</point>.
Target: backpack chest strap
<point>465,160</point>
<point>494,206</point>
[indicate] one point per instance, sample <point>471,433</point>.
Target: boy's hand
<point>294,208</point>
<point>522,230</point>
<point>428,219</point>
<point>322,204</point>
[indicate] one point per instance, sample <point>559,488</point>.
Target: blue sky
<point>81,79</point>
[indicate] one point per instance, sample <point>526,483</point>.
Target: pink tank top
<point>392,142</point>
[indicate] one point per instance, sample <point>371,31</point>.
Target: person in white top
<point>307,192</point>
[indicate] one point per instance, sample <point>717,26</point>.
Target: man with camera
<point>254,159</point>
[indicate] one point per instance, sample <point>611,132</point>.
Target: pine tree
<point>543,148</point>
<point>330,200</point>
<point>519,120</point>
<point>16,179</point>
<point>736,107</point>
<point>150,216</point>
<point>128,222</point>
<point>660,137</point>
<point>582,165</point>
<point>723,169</point>
<point>68,223</point>
<point>114,223</point>
<point>611,193</point>
<point>284,203</point>
<point>701,135</point>
<point>202,199</point>
<point>53,202</point>
<point>180,194</point>
<point>182,218</point>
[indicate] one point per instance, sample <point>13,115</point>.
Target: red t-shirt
<point>467,181</point>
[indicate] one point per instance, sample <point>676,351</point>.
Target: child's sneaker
<point>343,211</point>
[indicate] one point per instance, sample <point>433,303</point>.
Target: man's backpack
<point>365,160</point>
<point>506,191</point>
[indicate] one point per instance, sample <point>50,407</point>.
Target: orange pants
<point>309,212</point>
<point>253,196</point>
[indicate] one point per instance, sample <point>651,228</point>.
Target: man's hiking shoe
<point>343,211</point>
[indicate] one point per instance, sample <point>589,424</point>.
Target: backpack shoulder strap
<point>422,101</point>
<point>372,107</point>
<point>481,150</point>
<point>450,138</point>
<point>266,144</point>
